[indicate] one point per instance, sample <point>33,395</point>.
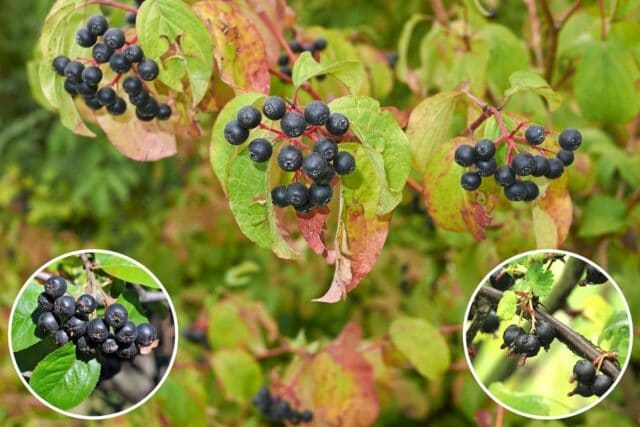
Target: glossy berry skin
<point>601,384</point>
<point>73,71</point>
<point>85,304</point>
<point>139,99</point>
<point>92,75</point>
<point>527,345</point>
<point>320,195</point>
<point>47,323</point>
<point>85,347</point>
<point>511,334</point>
<point>344,163</point>
<point>59,62</point>
<point>76,326</point>
<point>523,164</point>
<point>566,157</point>
<point>535,134</point>
<point>337,124</point>
<point>532,191</point>
<point>501,280</point>
<point>132,85</point>
<point>465,155</point>
<point>327,177</point>
<point>545,332</point>
<point>556,169</point>
<point>274,107</point>
<point>118,107</point>
<point>97,25</point>
<point>92,102</point>
<point>570,139</point>
<point>146,335</point>
<point>119,64</point>
<point>116,315</point>
<point>86,89</point>
<point>260,150</point>
<point>55,286</point>
<point>164,112</point>
<point>148,69</point>
<point>290,158</point>
<point>316,113</point>
<point>45,302</point>
<point>470,181</point>
<point>516,192</point>
<point>326,147</point>
<point>542,166</point>
<point>491,323</point>
<point>128,352</point>
<point>148,111</point>
<point>595,276</point>
<point>114,38</point>
<point>133,53</point>
<point>249,117</point>
<point>127,333</point>
<point>584,371</point>
<point>293,124</point>
<point>84,38</point>
<point>487,167</point>
<point>297,194</point>
<point>97,330</point>
<point>319,44</point>
<point>64,307</point>
<point>61,337</point>
<point>485,149</point>
<point>583,390</point>
<point>279,196</point>
<point>101,53</point>
<point>234,133</point>
<point>505,176</point>
<point>109,346</point>
<point>314,166</point>
<point>106,96</point>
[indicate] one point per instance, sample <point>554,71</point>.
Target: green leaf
<point>126,270</point>
<point>28,358</point>
<point>247,183</point>
<point>602,215</point>
<point>429,125</point>
<point>529,81</point>
<point>527,403</point>
<point>24,332</point>
<point>507,54</point>
<point>423,344</point>
<point>403,45</point>
<point>64,381</point>
<point>507,306</point>
<point>385,144</point>
<point>171,33</point>
<point>350,73</point>
<point>226,328</point>
<point>606,83</point>
<point>539,278</point>
<point>616,332</point>
<point>239,374</point>
<point>129,299</point>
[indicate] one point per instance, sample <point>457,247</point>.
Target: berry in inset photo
<point>55,286</point>
<point>344,163</point>
<point>527,345</point>
<point>127,333</point>
<point>314,166</point>
<point>128,352</point>
<point>293,124</point>
<point>535,134</point>
<point>582,389</point>
<point>97,330</point>
<point>595,276</point>
<point>290,158</point>
<point>297,194</point>
<point>84,38</point>
<point>133,53</point>
<point>76,326</point>
<point>505,176</point>
<point>570,139</point>
<point>114,38</point>
<point>234,133</point>
<point>326,147</point>
<point>316,113</point>
<point>556,169</point>
<point>61,337</point>
<point>47,323</point>
<point>274,107</point>
<point>45,302</point>
<point>85,304</point>
<point>85,347</point>
<point>116,315</point>
<point>248,117</point>
<point>545,332</point>
<point>148,69</point>
<point>470,181</point>
<point>109,346</point>
<point>337,124</point>
<point>59,63</point>
<point>260,150</point>
<point>490,323</point>
<point>97,25</point>
<point>465,155</point>
<point>510,335</point>
<point>584,371</point>
<point>501,280</point>
<point>565,156</point>
<point>523,164</point>
<point>147,334</point>
<point>485,149</point>
<point>279,196</point>
<point>320,195</point>
<point>64,307</point>
<point>601,384</point>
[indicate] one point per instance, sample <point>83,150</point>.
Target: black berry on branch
<point>535,134</point>
<point>465,155</point>
<point>114,38</point>
<point>279,196</point>
<point>523,164</point>
<point>133,53</point>
<point>470,181</point>
<point>565,156</point>
<point>601,384</point>
<point>92,75</point>
<point>61,337</point>
<point>527,345</point>
<point>582,389</point>
<point>45,302</point>
<point>297,194</point>
<point>59,63</point>
<point>293,124</point>
<point>320,195</point>
<point>64,307</point>
<point>314,166</point>
<point>556,169</point>
<point>505,176</point>
<point>570,139</point>
<point>277,409</point>
<point>55,286</point>
<point>510,335</point>
<point>542,166</point>
<point>118,107</point>
<point>116,315</point>
<point>76,326</point>
<point>47,323</point>
<point>127,333</point>
<point>234,133</point>
<point>84,38</point>
<point>106,96</point>
<point>290,158</point>
<point>584,372</point>
<point>260,150</point>
<point>316,113</point>
<point>249,117</point>
<point>485,149</point>
<point>109,346</point>
<point>490,323</point>
<point>486,167</point>
<point>501,280</point>
<point>344,163</point>
<point>594,276</point>
<point>274,107</point>
<point>97,25</point>
<point>545,332</point>
<point>337,124</point>
<point>516,192</point>
<point>119,63</point>
<point>326,147</point>
<point>147,334</point>
<point>148,70</point>
<point>102,53</point>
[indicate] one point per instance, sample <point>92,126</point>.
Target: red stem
<point>115,80</point>
<point>109,3</point>
<point>275,131</point>
<point>276,32</point>
<point>306,86</point>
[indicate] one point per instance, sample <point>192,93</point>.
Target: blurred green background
<point>60,192</point>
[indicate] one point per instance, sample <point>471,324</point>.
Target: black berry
<point>295,46</point>
<point>535,134</point>
<point>101,53</point>
<point>344,163</point>
<point>584,371</point>
<point>97,25</point>
<point>64,307</point>
<point>532,191</point>
<point>148,69</point>
<point>283,60</point>
<point>118,107</point>
<point>47,323</point>
<point>490,323</point>
<point>119,63</point>
<point>45,302</point>
<point>86,89</point>
<point>76,326</point>
<point>327,177</point>
<point>516,192</point>
<point>527,345</point>
<point>290,158</point>
<point>128,352</point>
<point>147,334</point>
<point>314,166</point>
<point>292,124</point>
<point>132,85</point>
<point>486,167</point>
<point>127,333</point>
<point>61,337</point>
<point>523,164</point>
<point>106,96</point>
<point>59,63</point>
<point>114,38</point>
<point>556,169</point>
<point>583,390</point>
<point>595,276</point>
<point>116,315</point>
<point>306,416</point>
<point>260,150</point>
<point>565,156</point>
<point>320,195</point>
<point>501,280</point>
<point>85,347</point>
<point>85,304</point>
<point>234,133</point>
<point>109,346</point>
<point>274,107</point>
<point>55,286</point>
<point>337,124</point>
<point>148,111</point>
<point>319,44</point>
<point>131,17</point>
<point>485,149</point>
<point>84,38</point>
<point>510,335</point>
<point>279,196</point>
<point>134,53</point>
<point>164,112</point>
<point>92,75</point>
<point>73,71</point>
<point>601,384</point>
<point>545,332</point>
<point>92,102</point>
<point>297,194</point>
<point>470,181</point>
<point>326,147</point>
<point>248,117</point>
<point>316,113</point>
<point>542,166</point>
<point>465,155</point>
<point>570,139</point>
<point>139,99</point>
<point>97,330</point>
<point>505,176</point>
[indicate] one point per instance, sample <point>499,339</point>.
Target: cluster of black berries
<point>315,46</point>
<point>482,158</point>
<point>131,16</point>
<point>518,341</point>
<point>320,165</point>
<point>122,57</point>
<point>278,409</point>
<point>584,372</point>
<point>594,276</point>
<point>69,319</point>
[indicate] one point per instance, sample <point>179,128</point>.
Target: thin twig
<point>91,277</point>
<point>109,3</point>
<point>499,416</point>
<point>278,35</point>
<point>536,39</point>
<point>145,296</point>
<point>414,186</point>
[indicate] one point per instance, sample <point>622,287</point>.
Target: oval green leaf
<point>23,326</point>
<point>350,73</point>
<point>126,270</point>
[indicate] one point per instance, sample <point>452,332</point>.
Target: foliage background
<point>61,192</point>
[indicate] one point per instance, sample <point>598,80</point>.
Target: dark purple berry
<point>55,286</point>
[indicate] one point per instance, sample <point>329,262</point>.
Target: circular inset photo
<point>548,334</point>
<point>93,334</point>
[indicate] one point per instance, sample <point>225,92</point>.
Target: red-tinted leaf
<point>313,226</point>
<point>553,214</point>
<point>280,15</point>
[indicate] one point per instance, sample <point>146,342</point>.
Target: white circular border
<point>144,399</point>
<point>581,410</point>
